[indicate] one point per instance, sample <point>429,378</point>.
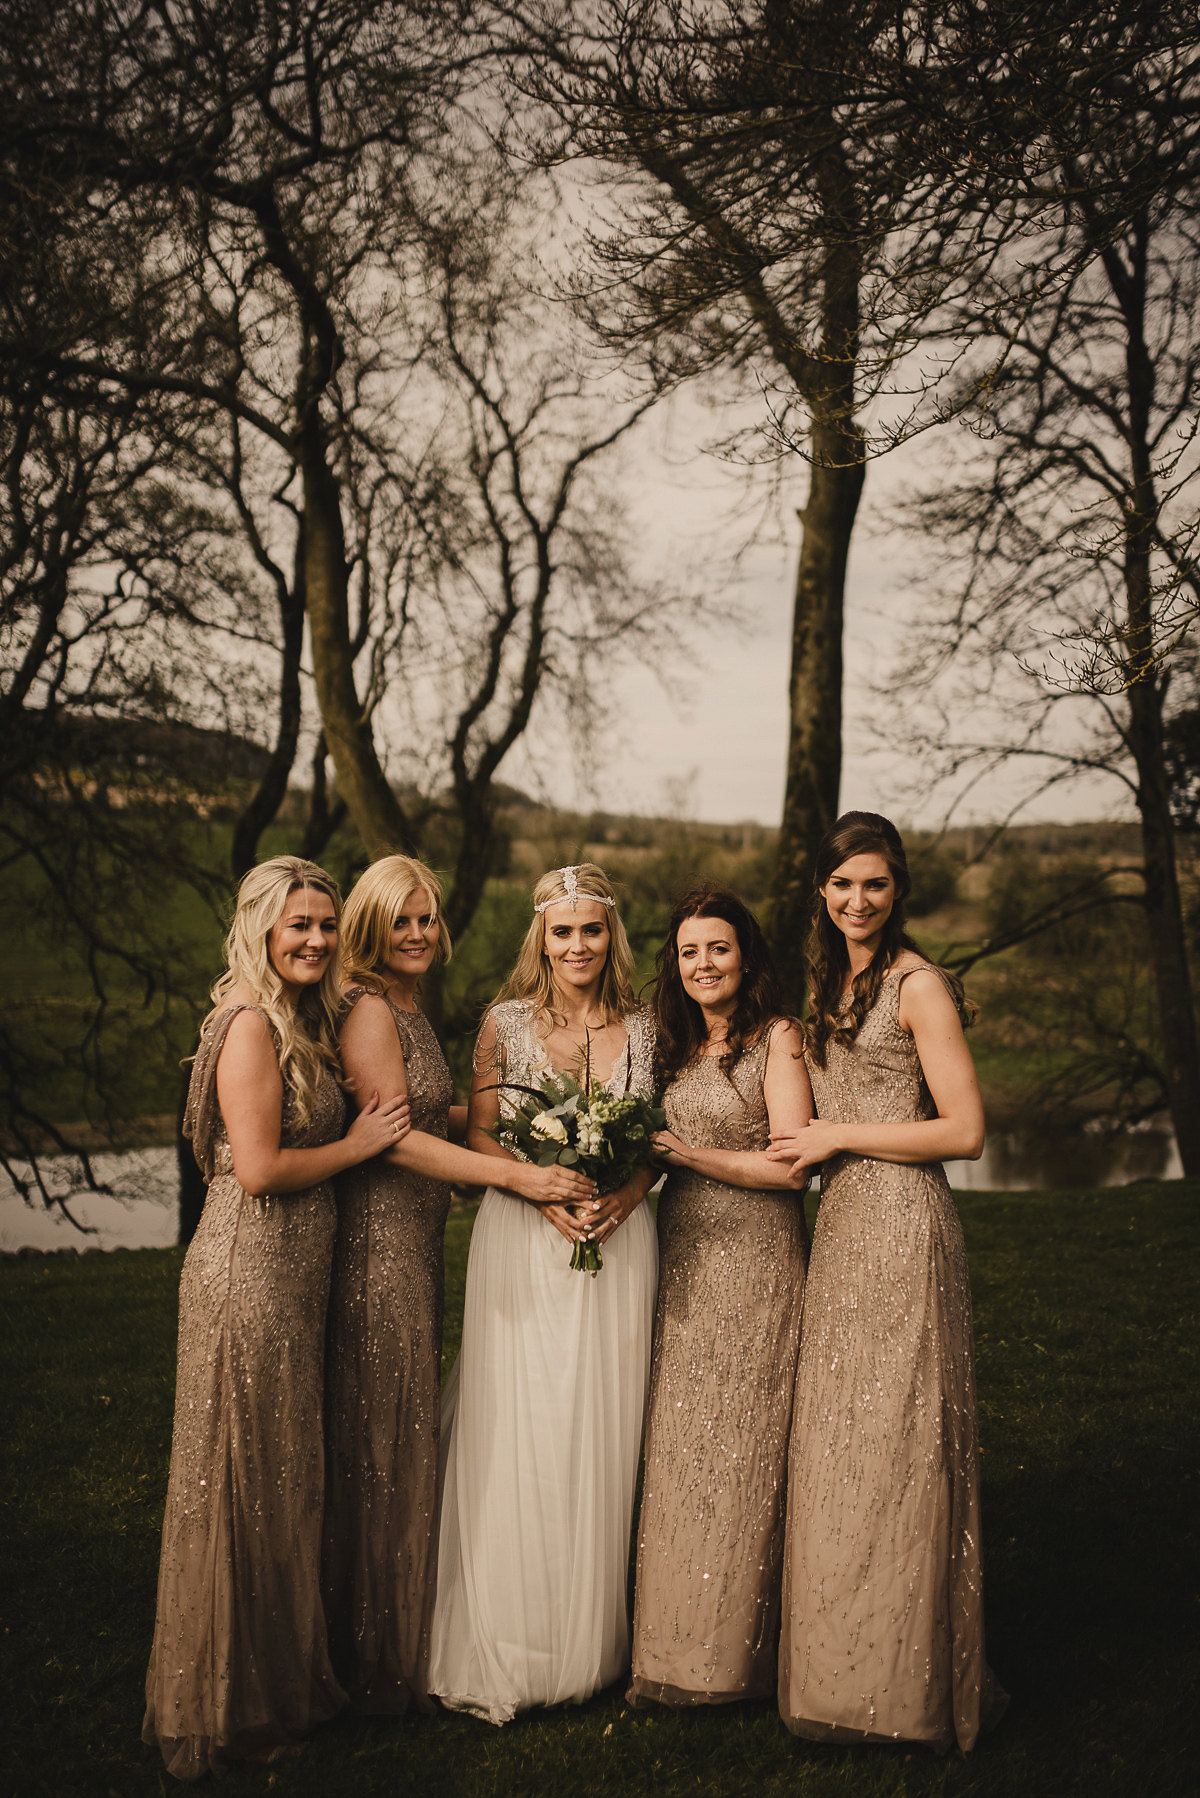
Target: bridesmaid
<point>240,1665</point>
<point>732,1252</point>
<point>883,1596</point>
<point>385,1327</point>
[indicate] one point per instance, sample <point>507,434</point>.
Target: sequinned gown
<point>726,1338</point>
<point>240,1661</point>
<point>541,1433</point>
<point>883,1594</point>
<point>385,1349</point>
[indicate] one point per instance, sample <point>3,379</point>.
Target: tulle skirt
<point>541,1433</point>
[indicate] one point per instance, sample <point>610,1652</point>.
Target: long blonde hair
<point>375,903</point>
<point>306,1033</point>
<point>531,979</point>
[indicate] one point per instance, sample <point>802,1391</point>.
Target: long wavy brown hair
<point>857,833</point>
<point>679,1028</point>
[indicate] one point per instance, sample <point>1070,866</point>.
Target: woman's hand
<point>553,1185</point>
<point>603,1219</point>
<point>378,1127</point>
<point>565,1199</point>
<point>807,1148</point>
<point>669,1148</point>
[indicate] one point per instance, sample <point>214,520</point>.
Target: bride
<point>542,1413</point>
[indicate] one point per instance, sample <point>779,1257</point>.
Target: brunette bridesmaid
<point>385,1327</point>
<point>240,1664</point>
<point>733,1247</point>
<point>883,1595</point>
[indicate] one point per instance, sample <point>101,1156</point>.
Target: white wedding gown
<point>541,1434</point>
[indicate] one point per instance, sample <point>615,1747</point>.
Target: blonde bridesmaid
<point>732,1252</point>
<point>883,1595</point>
<point>385,1327</point>
<point>240,1665</point>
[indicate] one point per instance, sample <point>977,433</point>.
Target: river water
<point>141,1212</point>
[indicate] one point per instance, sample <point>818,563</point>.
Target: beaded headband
<point>571,893</point>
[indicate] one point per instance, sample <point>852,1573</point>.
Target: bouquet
<point>584,1127</point>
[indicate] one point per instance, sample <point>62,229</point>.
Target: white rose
<point>546,1125</point>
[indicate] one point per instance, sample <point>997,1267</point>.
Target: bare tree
<point>102,770</point>
<point>747,245</point>
<point>497,580</point>
<point>481,561</point>
<point>136,652</point>
<point>822,190</point>
<point>283,150</point>
<point>1073,520</point>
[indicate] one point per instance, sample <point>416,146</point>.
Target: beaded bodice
<point>521,1058</point>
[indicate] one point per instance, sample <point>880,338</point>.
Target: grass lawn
<point>1089,1394</point>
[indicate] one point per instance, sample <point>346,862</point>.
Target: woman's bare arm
<point>250,1094</point>
<point>789,1100</point>
<point>931,1017</point>
<point>372,1056</point>
<point>483,1114</point>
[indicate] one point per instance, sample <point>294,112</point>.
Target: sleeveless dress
<point>541,1434</point>
<point>381,1403</point>
<point>726,1338</point>
<point>240,1661</point>
<point>883,1594</point>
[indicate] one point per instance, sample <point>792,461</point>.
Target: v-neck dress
<point>883,1582</point>
<point>726,1338</point>
<point>541,1434</point>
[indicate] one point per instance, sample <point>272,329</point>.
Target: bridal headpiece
<point>571,893</point>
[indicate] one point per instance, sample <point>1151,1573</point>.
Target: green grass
<point>1088,1382</point>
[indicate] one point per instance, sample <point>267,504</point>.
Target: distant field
<point>123,1063</point>
<point>1089,1384</point>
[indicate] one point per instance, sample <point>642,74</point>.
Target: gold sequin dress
<point>726,1338</point>
<point>385,1350</point>
<point>240,1661</point>
<point>883,1590</point>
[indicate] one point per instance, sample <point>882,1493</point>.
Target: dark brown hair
<point>856,833</point>
<point>679,1028</point>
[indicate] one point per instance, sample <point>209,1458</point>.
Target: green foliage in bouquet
<point>583,1127</point>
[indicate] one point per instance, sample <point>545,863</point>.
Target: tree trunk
<point>471,870</point>
<point>474,861</point>
<point>814,757</point>
<point>374,808</point>
<point>1164,912</point>
<point>814,761</point>
<point>323,819</point>
<point>273,786</point>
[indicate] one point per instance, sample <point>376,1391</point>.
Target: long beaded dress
<point>382,1379</point>
<point>883,1589</point>
<point>541,1434</point>
<point>240,1662</point>
<point>726,1338</point>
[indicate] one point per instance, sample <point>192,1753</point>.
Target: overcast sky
<point>716,750</point>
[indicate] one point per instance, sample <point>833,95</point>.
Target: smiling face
<point>710,964</point>
<point>416,933</point>
<point>576,943</point>
<point>859,897</point>
<point>303,942</point>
